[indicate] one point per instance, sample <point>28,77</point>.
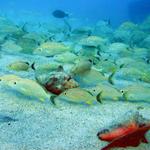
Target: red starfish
<point>129,135</point>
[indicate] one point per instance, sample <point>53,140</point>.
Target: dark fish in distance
<point>4,118</point>
<point>59,14</point>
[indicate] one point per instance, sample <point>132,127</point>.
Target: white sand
<point>42,126</point>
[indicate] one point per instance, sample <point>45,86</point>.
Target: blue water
<point>116,11</point>
<point>62,81</point>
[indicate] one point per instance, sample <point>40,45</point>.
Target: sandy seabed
<point>42,126</point>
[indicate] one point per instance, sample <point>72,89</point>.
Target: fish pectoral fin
<point>125,96</point>
<point>23,89</point>
<point>42,99</point>
<point>89,102</point>
<point>121,66</point>
<point>99,97</point>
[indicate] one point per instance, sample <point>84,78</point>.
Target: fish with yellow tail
<point>20,66</point>
<point>77,96</point>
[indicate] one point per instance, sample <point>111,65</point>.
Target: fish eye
<point>15,83</point>
<point>147,61</point>
<point>0,79</point>
<point>140,79</point>
<point>65,93</point>
<point>122,91</point>
<point>90,60</point>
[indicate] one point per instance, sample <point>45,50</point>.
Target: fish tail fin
<point>99,97</point>
<point>67,15</point>
<point>68,25</point>
<point>52,99</point>
<point>33,66</point>
<point>110,78</point>
<point>24,29</point>
<point>42,99</point>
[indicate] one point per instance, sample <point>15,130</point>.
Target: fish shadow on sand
<point>5,118</point>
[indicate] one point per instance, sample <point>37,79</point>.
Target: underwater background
<point>116,11</point>
<point>75,75</point>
